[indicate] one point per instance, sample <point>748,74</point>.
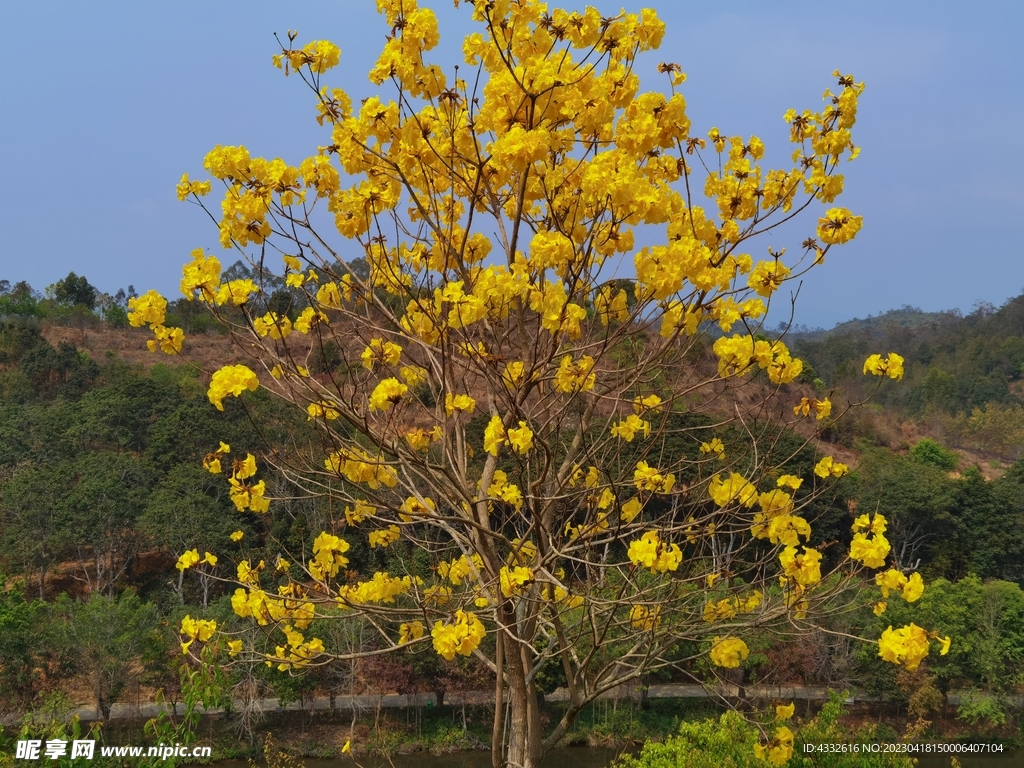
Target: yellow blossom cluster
<point>648,478</point>
<point>461,568</point>
<point>421,439</point>
<point>461,637</point>
<point>829,467</point>
<point>732,489</point>
<point>645,618</point>
<point>495,435</point>
<point>728,652</point>
<point>630,427</point>
<point>730,607</point>
<point>387,392</point>
<point>575,375</point>
<point>409,631</point>
<point>247,495</point>
<point>907,645</point>
<point>776,521</point>
<point>501,488</point>
<point>739,355</point>
<point>891,366</point>
<point>187,187</point>
<point>230,380</point>
<point>514,581</point>
<point>380,351</point>
<point>328,556</point>
<point>911,587</point>
<point>715,446</point>
<point>651,552</point>
<point>191,558</point>
<point>298,652</point>
<point>385,537</point>
<point>382,588</point>
<point>804,568</point>
<point>357,466</point>
<point>196,629</point>
<point>211,462</point>
<point>822,408</point>
<point>869,545</point>
<point>779,750</point>
<point>151,309</point>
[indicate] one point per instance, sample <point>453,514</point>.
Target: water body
<point>565,757</point>
<point>591,757</point>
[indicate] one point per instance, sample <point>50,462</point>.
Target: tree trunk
<point>524,743</point>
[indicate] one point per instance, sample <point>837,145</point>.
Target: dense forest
<point>102,490</point>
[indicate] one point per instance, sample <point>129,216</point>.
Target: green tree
<point>105,638</point>
<point>75,291</point>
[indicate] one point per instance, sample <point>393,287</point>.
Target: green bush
<point>930,452</point>
<point>728,742</point>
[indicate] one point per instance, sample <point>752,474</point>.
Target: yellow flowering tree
<point>502,401</point>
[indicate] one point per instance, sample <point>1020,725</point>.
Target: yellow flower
<point>715,446</point>
<point>804,568</point>
<point>148,309</point>
<point>870,551</point>
<point>514,580</point>
<point>650,552</point>
<point>386,393</point>
<point>421,439</point>
<point>838,226</point>
<point>779,750</point>
<point>630,510</point>
<point>231,380</point>
<point>891,580</point>
<point>914,588</point>
<point>244,469</point>
<point>944,643</point>
<point>453,403</point>
<point>273,325</point>
<point>187,560</point>
<point>728,652</point>
<point>461,637</point>
<point>385,537</point>
<point>879,607</point>
<point>347,748</point>
<point>201,274</point>
<point>168,340</point>
<point>642,617</point>
<point>494,435</point>
<point>645,478</point>
<point>632,426</point>
<point>413,630</point>
<point>575,376</point>
<point>732,489</point>
<point>380,351</point>
<point>187,187</point>
<point>325,409</point>
<point>521,438</point>
<point>822,408</point>
<point>237,535</point>
<point>790,481</point>
<point>412,507</point>
<point>196,629</point>
<point>907,646</point>
<point>829,467</point>
<point>784,712</point>
<point>234,647</point>
<point>891,366</point>
<point>767,277</point>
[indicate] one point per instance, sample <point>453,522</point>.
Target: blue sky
<point>104,105</point>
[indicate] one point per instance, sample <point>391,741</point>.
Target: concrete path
<point>146,710</point>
